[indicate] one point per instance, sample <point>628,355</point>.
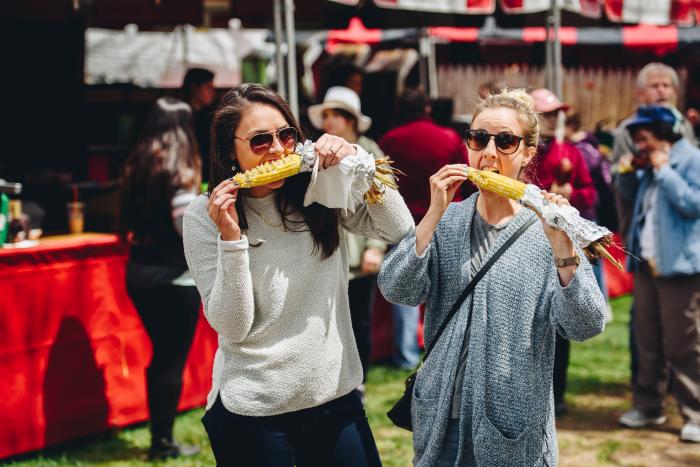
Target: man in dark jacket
<point>199,92</point>
<point>419,148</point>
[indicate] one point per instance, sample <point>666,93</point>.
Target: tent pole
<point>557,72</point>
<point>279,59</point>
<point>424,52</point>
<point>291,58</point>
<point>558,82</point>
<point>548,67</point>
<point>432,69</point>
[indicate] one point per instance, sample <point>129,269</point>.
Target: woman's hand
<point>444,185</point>
<point>659,158</point>
<point>565,190</point>
<point>222,210</point>
<point>371,261</point>
<point>332,149</point>
<point>562,246</point>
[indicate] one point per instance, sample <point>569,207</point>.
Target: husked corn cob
<point>497,183</point>
<point>513,189</point>
<point>269,172</point>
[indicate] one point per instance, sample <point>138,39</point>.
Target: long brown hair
<point>166,159</point>
<point>323,223</point>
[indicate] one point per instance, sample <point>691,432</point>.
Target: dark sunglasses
<point>262,142</point>
<point>507,143</point>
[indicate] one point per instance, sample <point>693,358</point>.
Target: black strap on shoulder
<point>475,280</point>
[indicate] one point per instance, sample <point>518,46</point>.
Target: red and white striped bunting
<point>658,12</point>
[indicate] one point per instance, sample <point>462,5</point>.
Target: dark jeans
<point>333,434</point>
<point>169,314</point>
<point>634,353</point>
<point>561,366</point>
<point>361,295</point>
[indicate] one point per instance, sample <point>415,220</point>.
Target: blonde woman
<point>484,397</point>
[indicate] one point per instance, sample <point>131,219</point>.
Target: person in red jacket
<point>419,147</point>
<point>560,168</point>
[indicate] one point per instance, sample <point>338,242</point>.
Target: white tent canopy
<point>160,59</point>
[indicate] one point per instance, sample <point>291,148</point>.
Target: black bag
<point>400,413</point>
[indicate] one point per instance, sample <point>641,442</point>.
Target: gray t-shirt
<point>482,236</point>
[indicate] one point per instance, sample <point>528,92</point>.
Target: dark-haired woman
<point>162,177</point>
<point>273,275</point>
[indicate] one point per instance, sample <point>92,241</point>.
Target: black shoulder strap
<point>475,280</point>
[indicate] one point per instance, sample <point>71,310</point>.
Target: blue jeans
<point>600,277</point>
<point>335,433</point>
<point>406,351</point>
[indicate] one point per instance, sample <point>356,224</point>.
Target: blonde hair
<point>519,101</point>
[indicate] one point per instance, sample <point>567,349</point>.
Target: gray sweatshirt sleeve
<point>221,271</point>
<point>577,311</point>
<point>388,221</point>
<point>405,277</point>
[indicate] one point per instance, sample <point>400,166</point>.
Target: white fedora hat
<point>339,97</point>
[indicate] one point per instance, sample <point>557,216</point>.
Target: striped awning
<point>658,12</point>
<point>659,39</point>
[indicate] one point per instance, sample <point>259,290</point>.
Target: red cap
<point>546,101</point>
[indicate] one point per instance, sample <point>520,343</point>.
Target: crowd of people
<point>289,286</point>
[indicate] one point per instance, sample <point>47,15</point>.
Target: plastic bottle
<point>6,188</point>
<point>4,217</point>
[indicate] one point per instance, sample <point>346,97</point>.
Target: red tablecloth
<point>72,348</point>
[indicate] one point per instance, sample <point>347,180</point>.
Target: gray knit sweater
<point>507,403</point>
<point>281,312</point>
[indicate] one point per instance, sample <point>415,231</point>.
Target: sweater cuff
<point>425,252</point>
<point>232,245</point>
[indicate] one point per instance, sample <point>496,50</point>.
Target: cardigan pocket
<point>491,447</point>
<point>423,415</point>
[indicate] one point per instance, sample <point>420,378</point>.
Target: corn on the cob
<point>594,246</point>
<point>497,183</point>
<point>384,174</point>
<point>269,172</point>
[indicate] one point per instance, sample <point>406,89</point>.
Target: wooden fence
<point>597,94</point>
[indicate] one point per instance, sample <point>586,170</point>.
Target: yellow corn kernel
<point>496,183</point>
<point>269,172</point>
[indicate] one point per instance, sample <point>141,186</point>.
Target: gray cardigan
<point>507,405</point>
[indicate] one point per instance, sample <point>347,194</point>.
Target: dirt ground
<point>589,435</point>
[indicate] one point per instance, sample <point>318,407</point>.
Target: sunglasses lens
<point>261,143</point>
<point>288,137</point>
<point>477,140</point>
<point>507,142</point>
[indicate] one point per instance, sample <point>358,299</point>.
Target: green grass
<point>598,365</point>
<point>602,364</point>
